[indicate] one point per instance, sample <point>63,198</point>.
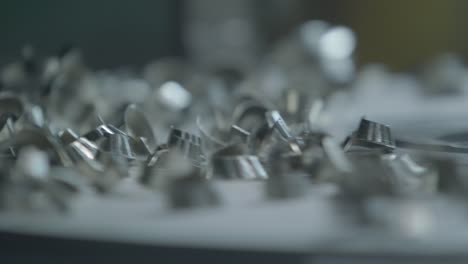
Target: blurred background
<point>399,33</point>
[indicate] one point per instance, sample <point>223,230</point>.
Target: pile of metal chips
<point>66,130</point>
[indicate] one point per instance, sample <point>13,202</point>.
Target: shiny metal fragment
<point>276,121</point>
<point>67,136</point>
<point>119,145</point>
<point>189,145</point>
<point>371,134</point>
<point>241,134</point>
<point>138,127</point>
<point>232,162</point>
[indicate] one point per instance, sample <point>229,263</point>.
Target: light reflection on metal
<point>174,96</point>
<point>85,148</point>
<point>337,43</point>
<point>232,163</point>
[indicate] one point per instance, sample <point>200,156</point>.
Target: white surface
<point>246,221</point>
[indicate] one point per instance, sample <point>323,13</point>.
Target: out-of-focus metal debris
<point>138,127</point>
<point>189,145</point>
<point>181,131</point>
<point>285,181</point>
<point>336,154</point>
<point>186,186</point>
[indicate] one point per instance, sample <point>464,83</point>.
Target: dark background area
<point>111,33</point>
<point>114,32</point>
